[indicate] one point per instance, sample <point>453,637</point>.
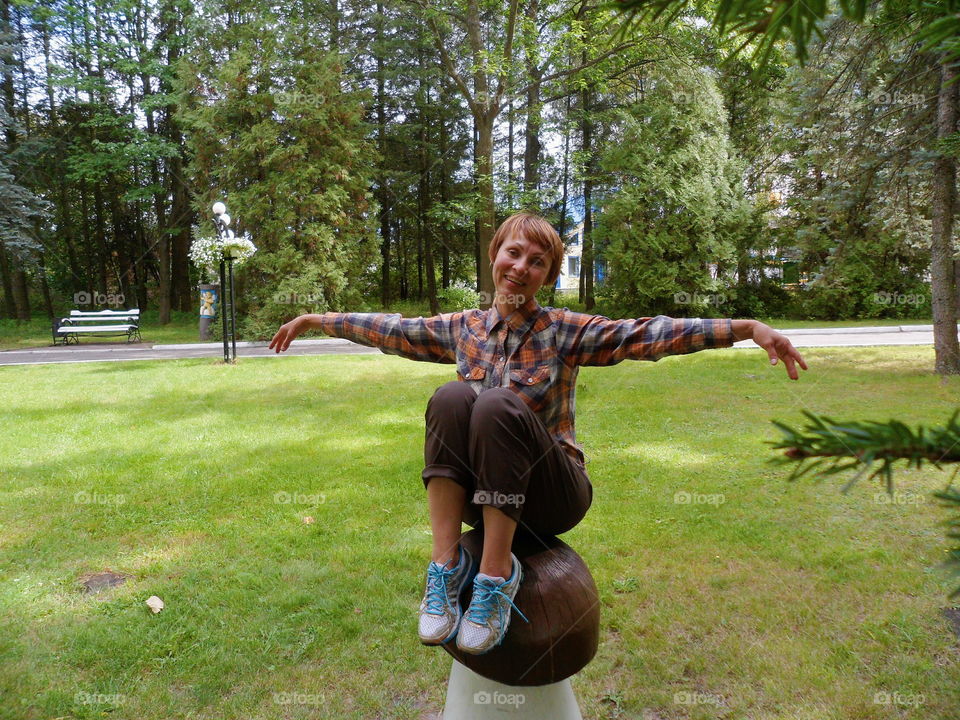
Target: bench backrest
<point>104,315</point>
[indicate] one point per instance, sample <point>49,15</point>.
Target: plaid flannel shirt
<point>535,351</point>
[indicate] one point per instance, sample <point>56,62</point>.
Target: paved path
<point>118,351</point>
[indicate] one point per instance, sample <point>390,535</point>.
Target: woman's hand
<point>776,344</point>
<point>288,333</point>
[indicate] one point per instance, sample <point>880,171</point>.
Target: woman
<point>500,446</point>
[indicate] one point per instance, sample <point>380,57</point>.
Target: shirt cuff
<point>328,323</point>
<point>717,333</point>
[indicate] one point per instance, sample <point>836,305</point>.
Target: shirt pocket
<point>532,384</point>
<point>474,375</point>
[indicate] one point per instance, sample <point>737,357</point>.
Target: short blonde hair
<point>535,229</point>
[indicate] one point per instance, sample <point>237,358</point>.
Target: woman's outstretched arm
<point>432,339</point>
<point>596,340</point>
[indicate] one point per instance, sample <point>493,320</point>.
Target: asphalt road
<point>120,351</point>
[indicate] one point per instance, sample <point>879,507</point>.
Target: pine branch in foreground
<point>871,449</point>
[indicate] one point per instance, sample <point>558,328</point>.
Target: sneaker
<point>486,621</point>
<point>440,608</point>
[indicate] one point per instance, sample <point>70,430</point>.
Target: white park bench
<point>104,322</point>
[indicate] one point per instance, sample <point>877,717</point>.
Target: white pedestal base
<point>472,697</point>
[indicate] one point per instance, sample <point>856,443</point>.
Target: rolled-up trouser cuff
<point>446,471</point>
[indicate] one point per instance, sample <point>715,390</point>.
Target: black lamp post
<point>222,222</point>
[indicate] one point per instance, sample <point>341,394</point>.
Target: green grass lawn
<point>773,601</point>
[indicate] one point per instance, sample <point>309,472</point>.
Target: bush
<point>764,299</point>
<point>835,301</point>
<point>453,299</point>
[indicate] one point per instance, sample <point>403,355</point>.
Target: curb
<point>253,344</point>
<point>856,330</point>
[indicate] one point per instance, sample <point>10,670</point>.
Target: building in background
<point>569,277</point>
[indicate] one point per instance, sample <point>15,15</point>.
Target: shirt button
<point>530,381</point>
<point>503,359</point>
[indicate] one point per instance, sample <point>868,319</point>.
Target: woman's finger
<point>791,368</point>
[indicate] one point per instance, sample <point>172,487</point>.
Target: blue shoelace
<point>485,599</point>
<point>437,598</point>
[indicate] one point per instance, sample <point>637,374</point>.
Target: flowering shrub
<point>206,252</point>
<point>239,248</point>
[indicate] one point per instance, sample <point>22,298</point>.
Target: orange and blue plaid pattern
<point>535,351</point>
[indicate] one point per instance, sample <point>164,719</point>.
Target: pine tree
<point>274,133</point>
<point>676,198</point>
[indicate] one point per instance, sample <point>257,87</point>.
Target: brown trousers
<point>494,446</point>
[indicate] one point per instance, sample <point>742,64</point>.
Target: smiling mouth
<point>514,282</point>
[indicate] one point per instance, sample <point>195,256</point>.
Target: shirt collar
<point>519,320</point>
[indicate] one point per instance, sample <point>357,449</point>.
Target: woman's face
<point>519,269</point>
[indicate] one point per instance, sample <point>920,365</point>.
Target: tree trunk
<point>426,229</point>
<point>21,294</point>
<point>478,262</point>
<point>65,225</point>
<point>586,263</point>
<point>943,207</point>
<point>510,177</point>
<point>141,269</point>
<point>101,252</point>
<point>87,276</point>
<point>531,152</point>
<point>382,194</point>
<point>181,212</point>
<point>444,197</point>
<point>6,62</point>
<point>6,276</point>
<point>487,216</point>
<point>9,101</point>
<point>565,183</point>
<point>45,288</point>
<point>404,281</point>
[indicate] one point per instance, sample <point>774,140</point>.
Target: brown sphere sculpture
<point>558,597</point>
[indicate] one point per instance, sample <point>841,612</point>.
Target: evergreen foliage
<point>872,448</point>
<point>676,207</point>
<point>857,163</point>
<point>283,141</point>
<point>21,208</point>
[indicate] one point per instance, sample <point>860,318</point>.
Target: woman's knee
<point>496,404</point>
<point>453,396</point>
